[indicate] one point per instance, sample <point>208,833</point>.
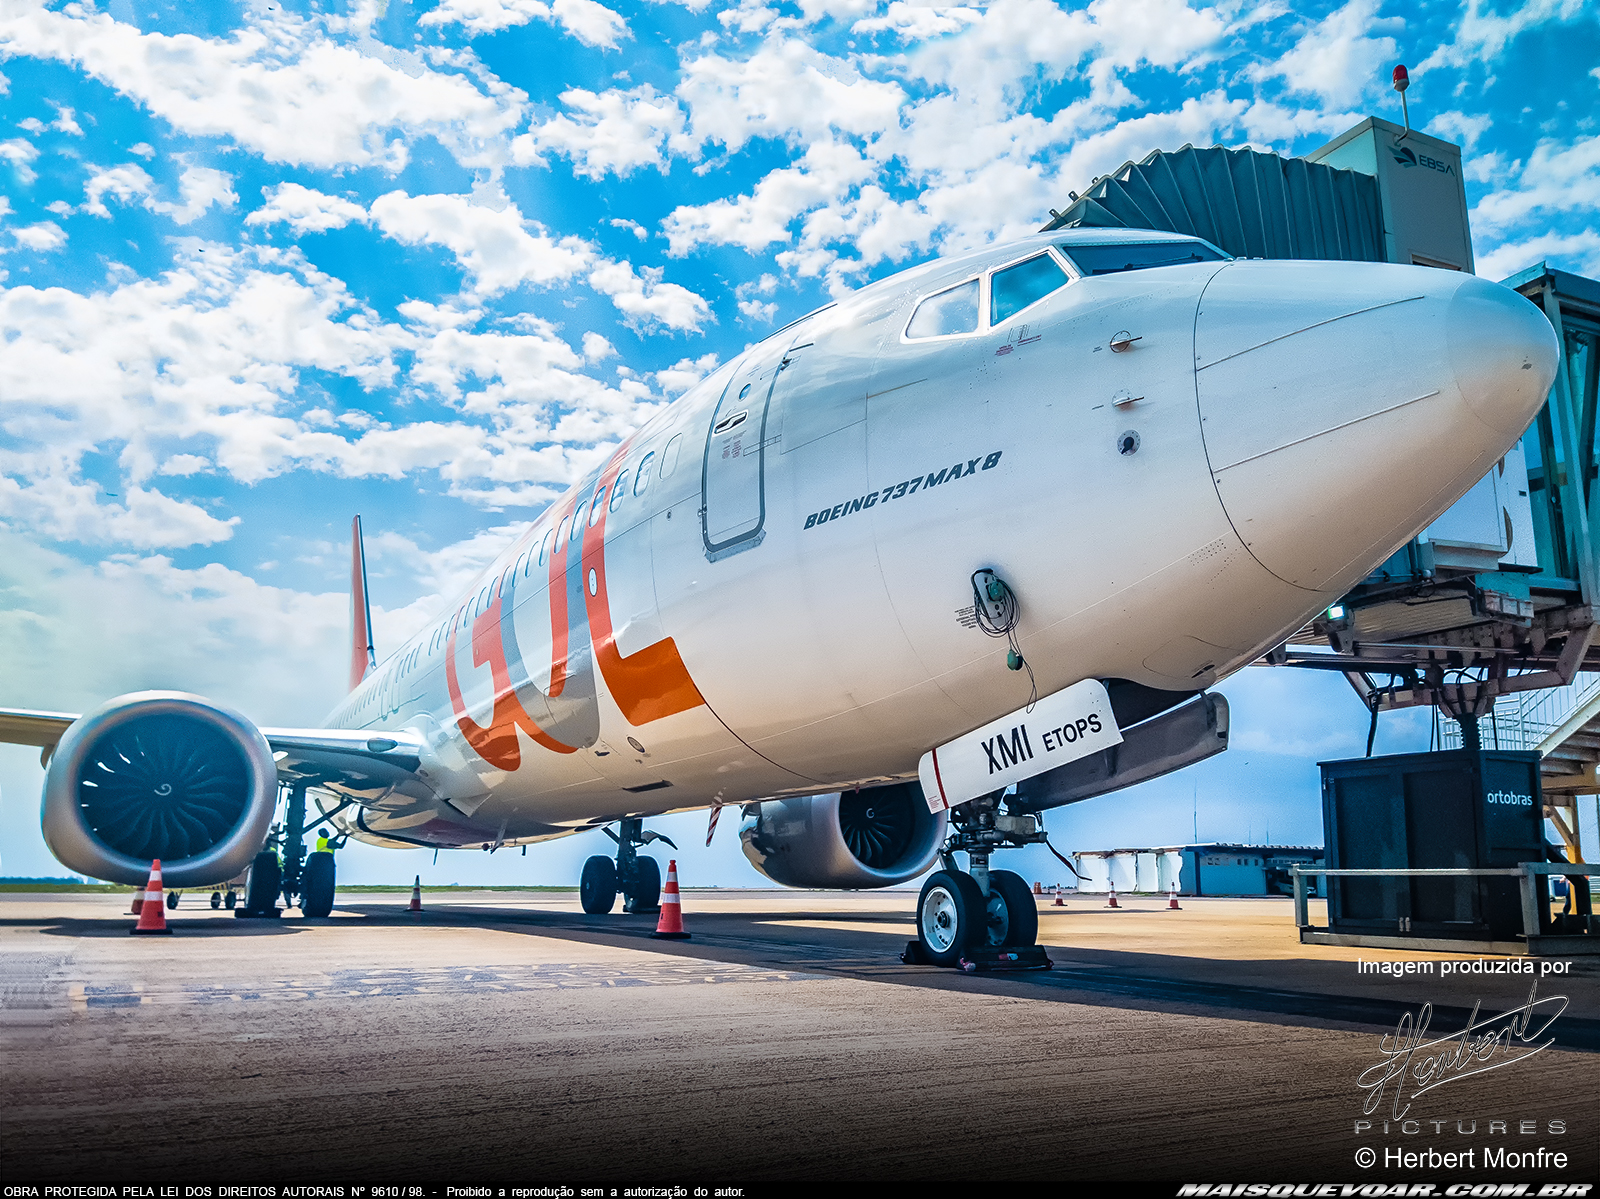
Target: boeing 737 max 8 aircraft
<point>998,520</point>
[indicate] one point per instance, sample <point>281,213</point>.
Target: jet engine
<point>160,774</point>
<point>874,837</point>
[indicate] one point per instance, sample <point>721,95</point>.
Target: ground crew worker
<point>324,845</point>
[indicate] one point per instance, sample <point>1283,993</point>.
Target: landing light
<point>1336,612</point>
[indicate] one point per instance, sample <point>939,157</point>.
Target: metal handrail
<point>1526,871</point>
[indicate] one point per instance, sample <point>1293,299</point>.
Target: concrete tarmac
<point>509,1037</point>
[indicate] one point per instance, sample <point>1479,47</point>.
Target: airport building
<point>1213,868</point>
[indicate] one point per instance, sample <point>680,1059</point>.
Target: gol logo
<point>647,686</point>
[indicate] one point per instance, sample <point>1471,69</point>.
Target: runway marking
<point>443,980</point>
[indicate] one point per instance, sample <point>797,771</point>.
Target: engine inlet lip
<point>73,842</point>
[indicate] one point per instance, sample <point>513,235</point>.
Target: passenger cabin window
<point>949,312</point>
<point>618,490</point>
<point>642,479</point>
<point>1137,256</point>
<point>1017,287</point>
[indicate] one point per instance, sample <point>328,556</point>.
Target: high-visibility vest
<point>323,845</point>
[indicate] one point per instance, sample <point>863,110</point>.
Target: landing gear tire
<point>230,900</point>
<point>644,893</point>
<point>950,916</point>
<point>597,888</point>
<point>216,900</point>
<point>1013,914</point>
<point>261,893</point>
<point>316,886</point>
<point>172,899</point>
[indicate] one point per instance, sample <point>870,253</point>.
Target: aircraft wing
<point>23,726</point>
<point>356,763</point>
<point>352,762</point>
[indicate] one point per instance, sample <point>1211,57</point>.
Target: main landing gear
<point>979,919</point>
<point>637,877</point>
<point>298,876</point>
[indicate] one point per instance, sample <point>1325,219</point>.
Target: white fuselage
<point>766,591</point>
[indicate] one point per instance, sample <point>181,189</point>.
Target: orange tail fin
<point>362,656</point>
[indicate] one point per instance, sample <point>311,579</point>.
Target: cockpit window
<point>1137,256</point>
<point>1016,287</point>
<point>954,310</point>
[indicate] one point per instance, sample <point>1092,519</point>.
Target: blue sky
<point>263,266</point>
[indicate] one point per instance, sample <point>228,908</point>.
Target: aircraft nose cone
<point>1503,352</point>
<point>1345,405</point>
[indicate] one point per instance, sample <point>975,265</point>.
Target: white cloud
<point>1336,59</point>
<point>685,373</point>
<point>20,153</point>
<point>46,235</point>
<point>1460,127</point>
<point>1578,252</point>
<point>1482,35</point>
<point>633,227</point>
<point>279,87</point>
<point>66,121</point>
<point>304,209</point>
<point>183,465</point>
<point>198,187</point>
<point>124,184</point>
<point>496,247</point>
<point>612,131</point>
<point>591,23</point>
<point>1555,180</point>
<point>66,509</point>
<point>596,348</point>
<point>645,300</point>
<point>787,89</point>
<point>76,634</point>
<point>201,369</point>
<point>142,149</point>
<point>757,220</point>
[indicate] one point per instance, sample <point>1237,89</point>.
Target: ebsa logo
<point>1407,157</point>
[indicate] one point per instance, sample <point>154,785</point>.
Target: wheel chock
<point>1006,957</point>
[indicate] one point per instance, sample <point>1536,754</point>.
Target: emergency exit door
<point>733,503</point>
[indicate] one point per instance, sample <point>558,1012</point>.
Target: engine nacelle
<point>875,837</point>
<point>160,774</point>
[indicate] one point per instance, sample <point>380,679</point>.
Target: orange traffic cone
<point>1172,903</point>
<point>138,902</point>
<point>1112,902</point>
<point>1059,903</point>
<point>1038,888</point>
<point>670,926</point>
<point>416,896</point>
<point>153,911</point>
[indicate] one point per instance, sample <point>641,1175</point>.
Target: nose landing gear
<point>979,919</point>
